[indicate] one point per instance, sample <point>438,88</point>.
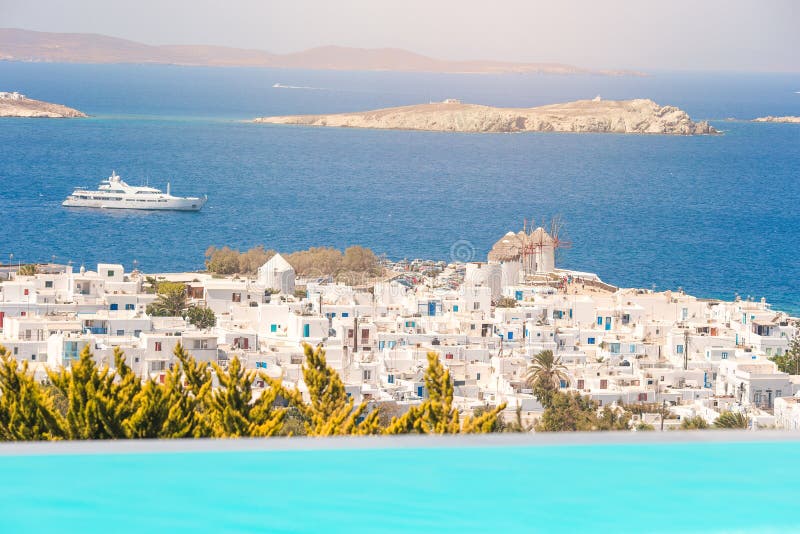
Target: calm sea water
<point>714,215</point>
<point>701,487</point>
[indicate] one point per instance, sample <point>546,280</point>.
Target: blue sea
<point>717,216</point>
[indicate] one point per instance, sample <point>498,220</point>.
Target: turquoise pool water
<point>647,487</point>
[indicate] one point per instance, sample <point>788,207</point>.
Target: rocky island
<point>607,116</point>
<point>18,105</point>
<point>770,118</point>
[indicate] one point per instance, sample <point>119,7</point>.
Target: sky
<point>732,35</point>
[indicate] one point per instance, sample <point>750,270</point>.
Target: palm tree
<point>171,301</point>
<point>732,420</point>
<point>545,375</point>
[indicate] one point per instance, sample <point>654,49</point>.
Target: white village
<point>486,321</point>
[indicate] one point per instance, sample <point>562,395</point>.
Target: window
<point>614,348</point>
<point>345,314</point>
<point>113,307</point>
<point>778,393</point>
<point>455,307</point>
<point>158,366</point>
<point>33,357</point>
<point>306,330</point>
<point>580,383</point>
<point>476,305</point>
<point>365,335</point>
<point>477,376</point>
<point>590,341</point>
<point>236,297</point>
<point>632,348</point>
<point>273,328</point>
<point>563,384</point>
<point>120,332</point>
<point>724,355</point>
<point>130,306</point>
<point>604,384</point>
<point>367,374</point>
<point>600,320</point>
<point>642,397</point>
<point>26,291</point>
<point>510,336</point>
<point>48,284</point>
<point>679,349</point>
<point>111,274</point>
<point>157,347</point>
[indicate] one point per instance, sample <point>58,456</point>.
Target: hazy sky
<point>744,35</point>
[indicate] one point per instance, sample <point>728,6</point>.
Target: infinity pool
<point>728,483</point>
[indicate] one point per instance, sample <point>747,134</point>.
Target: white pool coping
<point>144,446</point>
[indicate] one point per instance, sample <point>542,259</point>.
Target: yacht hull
<point>183,204</point>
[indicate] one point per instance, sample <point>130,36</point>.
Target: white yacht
<point>114,193</point>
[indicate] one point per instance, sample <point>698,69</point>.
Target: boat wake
<point>282,86</point>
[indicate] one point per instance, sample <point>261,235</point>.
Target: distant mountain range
<point>27,45</point>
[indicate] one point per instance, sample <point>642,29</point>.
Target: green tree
<point>436,415</point>
<point>613,418</point>
<point>250,261</point>
<point>331,412</point>
<point>360,260</point>
<point>171,300</point>
<point>28,270</point>
<point>732,420</point>
<point>568,412</point>
<point>195,394</point>
<point>152,411</point>
<point>27,412</point>
<point>693,423</point>
<point>545,375</point>
<point>91,408</point>
<point>222,261</point>
<point>789,362</point>
<point>232,411</point>
<point>202,318</point>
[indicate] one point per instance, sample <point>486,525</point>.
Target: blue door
<point>431,309</point>
<point>608,323</point>
<point>518,295</point>
<point>419,390</point>
<point>306,330</point>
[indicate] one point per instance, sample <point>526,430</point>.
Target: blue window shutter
<point>306,330</point>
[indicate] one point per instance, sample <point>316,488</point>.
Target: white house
<point>277,274</point>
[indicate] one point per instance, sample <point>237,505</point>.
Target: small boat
<point>114,193</point>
